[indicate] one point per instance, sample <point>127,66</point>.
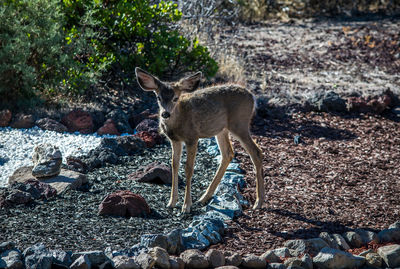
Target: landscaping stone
<point>125,262</point>
<point>23,121</point>
<point>61,259</point>
<point>253,261</point>
<point>147,125</point>
<point>154,240</point>
<point>296,262</point>
<point>16,197</point>
<point>364,253</point>
<point>389,235</point>
<point>161,257</point>
<point>82,262</point>
<point>194,259</point>
<point>153,173</point>
<point>109,128</point>
<point>311,246</point>
<point>390,255</point>
<point>150,138</point>
<point>353,239</point>
<point>215,258</point>
<point>395,225</point>
<point>233,259</point>
<point>174,241</point>
<point>341,242</point>
<point>120,121</point>
<point>145,260</point>
<point>226,204</point>
<point>176,263</point>
<point>282,252</point>
<point>47,161</point>
<point>36,188</point>
<point>96,258</point>
<point>124,203</point>
<point>78,121</point>
<point>276,266</point>
<point>334,258</point>
<point>367,236</point>
<point>227,267</point>
<point>51,125</point>
<point>122,145</point>
<point>327,101</point>
<point>11,258</point>
<point>271,257</point>
<point>329,240</point>
<point>38,257</point>
<point>6,246</point>
<point>5,117</point>
<point>373,260</point>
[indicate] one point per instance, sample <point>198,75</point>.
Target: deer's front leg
<point>191,149</point>
<point>176,159</point>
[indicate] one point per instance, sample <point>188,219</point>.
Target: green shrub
<point>136,33</point>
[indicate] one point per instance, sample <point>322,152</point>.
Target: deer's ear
<point>146,81</point>
<point>190,83</point>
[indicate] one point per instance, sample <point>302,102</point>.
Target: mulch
<point>344,174</point>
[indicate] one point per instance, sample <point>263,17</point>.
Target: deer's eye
<point>175,100</point>
<point>159,98</point>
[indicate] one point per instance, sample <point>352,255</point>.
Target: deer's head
<point>167,93</point>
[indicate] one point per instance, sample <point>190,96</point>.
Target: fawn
<point>188,113</point>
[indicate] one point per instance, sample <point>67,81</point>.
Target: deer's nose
<point>165,115</point>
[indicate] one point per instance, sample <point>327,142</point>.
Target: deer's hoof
<point>186,209</point>
<point>258,204</point>
<point>204,199</point>
<point>171,204</point>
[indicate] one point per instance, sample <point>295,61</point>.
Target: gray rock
<point>154,240</point>
<point>306,262</point>
<point>96,258</point>
<point>282,252</point>
<point>215,258</point>
<point>328,101</point>
<point>194,259</point>
<point>296,262</point>
<point>6,246</point>
<point>61,258</point>
<point>82,262</point>
<point>329,240</point>
<point>373,260</point>
<point>341,242</point>
<point>311,246</point>
<point>177,263</point>
<point>391,255</point>
<point>253,261</point>
<point>389,235</point>
<point>124,262</point>
<point>275,265</point>
<point>334,258</point>
<point>367,236</point>
<point>47,160</point>
<point>353,239</point>
<point>161,257</point>
<point>38,257</point>
<point>51,125</point>
<point>145,260</point>
<point>18,197</point>
<point>121,120</point>
<point>397,223</point>
<point>11,259</point>
<point>233,259</point>
<point>227,267</point>
<point>271,257</point>
<point>174,242</point>
<point>364,253</point>
<point>226,204</point>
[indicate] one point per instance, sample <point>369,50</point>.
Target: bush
<point>136,33</point>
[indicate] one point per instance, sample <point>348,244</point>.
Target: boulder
<point>78,121</point>
<point>330,258</point>
<point>161,257</point>
<point>154,240</point>
<point>82,262</point>
<point>47,161</point>
<point>147,125</point>
<point>353,239</point>
<point>328,101</point>
<point>96,257</point>
<point>109,128</point>
<point>227,267</point>
<point>373,260</point>
<point>145,260</point>
<point>14,197</point>
<point>61,259</point>
<point>23,121</point>
<point>38,257</point>
<point>304,262</point>
<point>329,240</point>
<point>37,189</point>
<point>120,121</point>
<point>194,259</point>
<point>253,261</point>
<point>389,235</point>
<point>271,257</point>
<point>367,236</point>
<point>390,255</point>
<point>177,263</point>
<point>124,203</point>
<point>122,145</point>
<point>282,252</point>
<point>174,241</point>
<point>275,265</point>
<point>233,259</point>
<point>153,173</point>
<point>67,179</point>
<point>311,246</point>
<point>125,262</point>
<point>11,259</point>
<point>51,125</point>
<point>341,242</point>
<point>395,225</point>
<point>5,117</point>
<point>215,258</point>
<point>150,138</point>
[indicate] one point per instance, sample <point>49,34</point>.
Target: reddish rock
<point>5,117</point>
<point>45,190</point>
<point>150,138</point>
<point>51,125</point>
<point>18,197</point>
<point>108,127</point>
<point>124,203</point>
<point>78,120</point>
<point>357,104</point>
<point>23,121</point>
<point>147,125</point>
<point>153,173</point>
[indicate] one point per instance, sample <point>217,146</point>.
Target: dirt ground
<point>345,172</point>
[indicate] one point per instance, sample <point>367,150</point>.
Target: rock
<point>364,253</point>
<point>276,266</point>
<point>147,125</point>
<point>390,255</point>
<point>67,179</point>
<point>77,165</point>
<point>296,262</point>
<point>253,261</point>
<point>328,101</point>
<point>61,259</point>
<point>227,267</point>
<point>282,252</point>
<point>96,258</point>
<point>153,173</point>
<point>226,204</point>
<point>47,161</point>
<point>161,257</point>
<point>82,262</point>
<point>233,259</point>
<point>51,125</point>
<point>373,260</point>
<point>194,259</point>
<point>125,262</point>
<point>11,259</point>
<point>5,117</point>
<point>341,242</point>
<point>38,257</point>
<point>389,235</point>
<point>367,236</point>
<point>177,263</point>
<point>202,232</point>
<point>78,121</point>
<point>36,188</point>
<point>271,257</point>
<point>23,121</point>
<point>17,197</point>
<point>395,225</point>
<point>124,203</point>
<point>174,241</point>
<point>329,240</point>
<point>354,239</point>
<point>334,258</point>
<point>154,240</point>
<point>145,260</point>
<point>122,145</point>
<point>108,128</point>
<point>150,138</point>
<point>6,246</point>
<point>311,246</point>
<point>215,258</point>
<point>120,120</point>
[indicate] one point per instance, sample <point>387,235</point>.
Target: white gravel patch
<point>16,146</point>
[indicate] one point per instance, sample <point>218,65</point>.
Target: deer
<point>187,114</point>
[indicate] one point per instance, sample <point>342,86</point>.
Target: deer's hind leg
<point>226,150</point>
